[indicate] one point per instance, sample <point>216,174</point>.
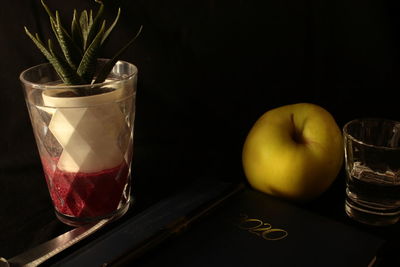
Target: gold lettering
<point>261,229</point>
<point>249,224</point>
<point>281,234</point>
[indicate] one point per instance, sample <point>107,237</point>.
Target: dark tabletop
<point>207,71</point>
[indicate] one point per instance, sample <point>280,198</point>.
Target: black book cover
<point>254,229</point>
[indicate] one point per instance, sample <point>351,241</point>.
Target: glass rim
<point>46,86</point>
<point>350,136</point>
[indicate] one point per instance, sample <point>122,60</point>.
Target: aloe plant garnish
<point>79,47</point>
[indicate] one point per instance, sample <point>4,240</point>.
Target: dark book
<point>254,229</point>
<point>218,224</point>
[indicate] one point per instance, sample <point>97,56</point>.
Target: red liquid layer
<point>86,194</point>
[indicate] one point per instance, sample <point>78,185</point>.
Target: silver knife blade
<point>46,250</point>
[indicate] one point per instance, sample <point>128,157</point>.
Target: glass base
<point>367,216</point>
<point>76,221</point>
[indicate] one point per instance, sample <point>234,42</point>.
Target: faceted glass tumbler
<point>84,134</point>
<point>372,153</point>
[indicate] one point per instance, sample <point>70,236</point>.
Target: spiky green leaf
<point>83,20</point>
<point>87,66</point>
<point>96,24</point>
<point>90,23</point>
<point>67,75</point>
<point>49,13</point>
<point>71,53</point>
<point>60,59</point>
<point>76,31</point>
<point>109,30</point>
<point>106,69</point>
<point>51,48</point>
<point>54,18</point>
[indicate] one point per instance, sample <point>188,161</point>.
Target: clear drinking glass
<point>372,155</point>
<point>84,134</point>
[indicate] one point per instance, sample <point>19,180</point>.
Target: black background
<point>207,70</point>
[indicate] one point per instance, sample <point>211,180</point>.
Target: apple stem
<point>296,135</point>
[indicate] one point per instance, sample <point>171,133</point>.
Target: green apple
<point>293,152</point>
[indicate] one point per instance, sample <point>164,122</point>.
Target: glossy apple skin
<point>293,152</point>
